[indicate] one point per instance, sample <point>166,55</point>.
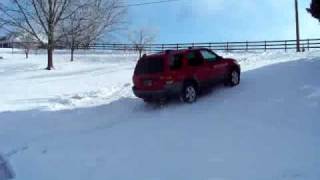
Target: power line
<point>150,3</point>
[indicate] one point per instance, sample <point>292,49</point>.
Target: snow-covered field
<point>81,121</point>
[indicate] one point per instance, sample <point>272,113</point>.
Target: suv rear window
<point>149,65</point>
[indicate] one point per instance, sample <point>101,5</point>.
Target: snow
<point>100,76</point>
<point>81,121</point>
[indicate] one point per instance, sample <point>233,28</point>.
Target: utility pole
<point>297,25</point>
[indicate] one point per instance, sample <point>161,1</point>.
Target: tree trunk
<point>50,58</point>
<point>51,44</point>
<point>140,53</point>
<point>72,53</point>
<point>27,54</point>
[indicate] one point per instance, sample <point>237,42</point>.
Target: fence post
<point>12,46</point>
<point>192,45</point>
<point>308,44</point>
<point>265,46</point>
<point>285,46</point>
<point>210,46</point>
<point>177,46</point>
<point>247,46</point>
<point>227,47</point>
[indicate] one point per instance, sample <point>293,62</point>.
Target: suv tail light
<point>167,79</point>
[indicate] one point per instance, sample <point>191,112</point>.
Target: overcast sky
<point>223,20</point>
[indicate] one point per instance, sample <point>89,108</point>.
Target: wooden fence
<point>305,44</point>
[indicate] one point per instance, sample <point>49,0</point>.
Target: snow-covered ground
<point>81,121</point>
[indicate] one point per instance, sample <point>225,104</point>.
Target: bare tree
<point>1,25</point>
<point>76,27</point>
<point>141,38</point>
<point>22,40</point>
<point>40,18</point>
<point>91,22</point>
<point>27,42</point>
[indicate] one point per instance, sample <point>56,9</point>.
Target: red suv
<point>182,73</point>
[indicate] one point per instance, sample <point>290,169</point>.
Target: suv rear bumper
<point>167,91</point>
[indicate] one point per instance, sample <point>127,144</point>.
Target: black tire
<point>189,93</point>
<point>233,78</point>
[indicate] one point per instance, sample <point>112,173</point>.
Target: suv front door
<point>198,69</point>
<point>216,64</point>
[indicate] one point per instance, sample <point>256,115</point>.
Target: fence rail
<point>305,44</point>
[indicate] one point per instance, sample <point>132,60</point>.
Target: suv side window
<point>208,56</point>
<point>194,60</point>
<point>176,62</point>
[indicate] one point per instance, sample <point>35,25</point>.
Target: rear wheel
<point>189,93</point>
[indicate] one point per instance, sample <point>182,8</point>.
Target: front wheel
<point>234,78</point>
<point>189,93</point>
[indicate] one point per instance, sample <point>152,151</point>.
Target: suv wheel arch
<point>189,91</point>
<point>193,81</point>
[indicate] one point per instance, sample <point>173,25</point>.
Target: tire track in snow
<point>91,98</point>
<point>117,95</point>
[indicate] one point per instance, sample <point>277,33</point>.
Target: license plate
<point>147,82</point>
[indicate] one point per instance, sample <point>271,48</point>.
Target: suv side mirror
<point>219,57</point>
